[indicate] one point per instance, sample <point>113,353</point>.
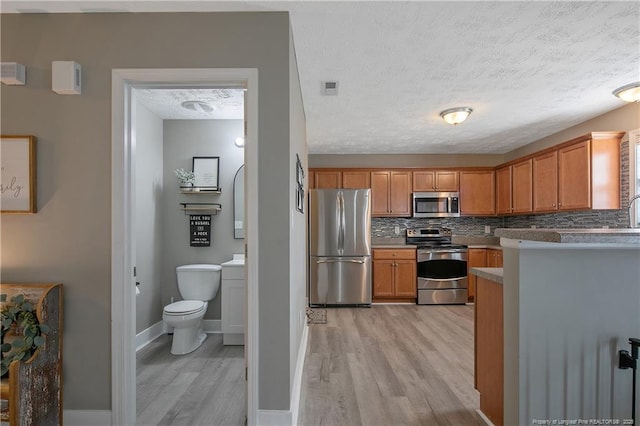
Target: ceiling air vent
<point>198,106</point>
<point>329,88</point>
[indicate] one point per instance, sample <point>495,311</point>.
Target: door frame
<point>123,354</point>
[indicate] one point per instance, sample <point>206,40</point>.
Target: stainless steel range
<point>442,266</point>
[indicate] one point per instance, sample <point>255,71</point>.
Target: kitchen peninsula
<point>570,302</point>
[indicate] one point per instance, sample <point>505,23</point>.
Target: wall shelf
<point>197,190</point>
<point>212,208</point>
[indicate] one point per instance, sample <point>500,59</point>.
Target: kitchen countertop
<point>491,274</point>
<point>588,236</point>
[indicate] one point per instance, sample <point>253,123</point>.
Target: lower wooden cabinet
<point>481,258</point>
<point>394,275</point>
<point>489,349</point>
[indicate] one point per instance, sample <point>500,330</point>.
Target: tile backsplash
<point>384,227</point>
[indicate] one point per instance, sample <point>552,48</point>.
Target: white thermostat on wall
<point>66,77</point>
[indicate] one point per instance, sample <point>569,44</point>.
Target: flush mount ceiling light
<point>198,106</point>
<point>629,92</point>
<point>455,115</point>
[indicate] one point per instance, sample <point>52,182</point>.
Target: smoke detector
<point>197,106</point>
<point>330,88</point>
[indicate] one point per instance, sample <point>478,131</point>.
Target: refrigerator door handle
<point>339,261</point>
<point>341,224</point>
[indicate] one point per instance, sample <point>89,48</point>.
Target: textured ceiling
<point>167,103</point>
<point>528,69</point>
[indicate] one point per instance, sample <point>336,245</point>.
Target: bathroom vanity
<point>233,301</point>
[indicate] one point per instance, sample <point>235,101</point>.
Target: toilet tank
<point>198,282</point>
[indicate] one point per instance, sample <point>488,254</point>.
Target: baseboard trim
<point>297,378</point>
<point>484,418</point>
<point>149,335</point>
<point>158,329</point>
<point>87,417</point>
<point>274,417</point>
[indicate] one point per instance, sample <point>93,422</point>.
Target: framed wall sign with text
<point>18,177</point>
<point>207,172</point>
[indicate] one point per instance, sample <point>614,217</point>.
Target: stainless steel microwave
<point>436,204</point>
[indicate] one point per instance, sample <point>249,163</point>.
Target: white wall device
<point>66,77</point>
<point>12,74</point>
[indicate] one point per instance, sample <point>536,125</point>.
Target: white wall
<point>147,139</point>
<point>298,236</point>
<point>184,139</point>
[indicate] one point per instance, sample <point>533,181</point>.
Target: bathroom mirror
<point>238,204</point>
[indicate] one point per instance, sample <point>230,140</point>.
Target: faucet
<point>634,198</point>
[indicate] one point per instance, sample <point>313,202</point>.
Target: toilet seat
<point>184,307</point>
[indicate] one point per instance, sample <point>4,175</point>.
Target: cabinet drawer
<point>394,254</point>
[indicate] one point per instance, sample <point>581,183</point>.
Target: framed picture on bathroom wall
<point>18,174</point>
<point>207,173</point>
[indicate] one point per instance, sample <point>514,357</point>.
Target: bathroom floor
<point>205,387</point>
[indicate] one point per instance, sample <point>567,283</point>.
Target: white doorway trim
<point>123,360</point>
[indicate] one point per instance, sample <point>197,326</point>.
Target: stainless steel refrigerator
<point>339,247</point>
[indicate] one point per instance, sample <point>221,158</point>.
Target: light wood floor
<point>391,365</point>
<point>205,387</point>
<point>384,366</point>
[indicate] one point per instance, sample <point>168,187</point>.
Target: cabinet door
<point>494,258</point>
<point>438,180</point>
<point>545,182</point>
<point>356,179</point>
<point>476,258</point>
<point>522,187</point>
<point>380,183</point>
<point>400,194</point>
<point>503,190</point>
<point>574,177</point>
<point>328,179</point>
<point>405,278</point>
<point>312,179</point>
<point>477,192</point>
<point>383,274</point>
<point>424,181</point>
<point>447,180</point>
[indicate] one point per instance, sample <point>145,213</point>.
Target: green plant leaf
<point>38,341</point>
<point>3,369</point>
<point>18,356</point>
<point>6,322</point>
<point>6,347</point>
<point>19,298</point>
<point>3,297</point>
<point>44,328</point>
<point>28,342</point>
<point>27,306</point>
<point>18,343</point>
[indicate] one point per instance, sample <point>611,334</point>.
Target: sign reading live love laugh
<point>200,230</point>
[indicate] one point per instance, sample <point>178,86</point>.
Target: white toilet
<point>198,284</point>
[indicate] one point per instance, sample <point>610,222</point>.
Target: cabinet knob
<point>553,204</point>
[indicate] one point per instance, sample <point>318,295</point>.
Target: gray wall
<point>184,139</point>
<point>147,130</point>
<point>69,239</point>
<point>405,160</point>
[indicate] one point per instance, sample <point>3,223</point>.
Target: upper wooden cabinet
<point>514,185</point>
<point>477,192</point>
<point>583,173</point>
<point>356,179</point>
<point>545,182</point>
<point>339,178</point>
<point>504,190</point>
<point>435,180</point>
<point>391,193</point>
<point>328,179</point>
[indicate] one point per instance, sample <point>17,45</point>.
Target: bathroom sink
<point>238,260</point>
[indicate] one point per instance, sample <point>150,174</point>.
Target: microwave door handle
<point>448,204</point>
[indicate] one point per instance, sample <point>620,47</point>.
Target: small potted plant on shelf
<point>186,179</point>
<point>21,331</point>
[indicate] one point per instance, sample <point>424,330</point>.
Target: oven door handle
<point>447,251</point>
<point>441,279</point>
<point>339,261</point>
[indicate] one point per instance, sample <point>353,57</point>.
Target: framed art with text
<point>18,174</point>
